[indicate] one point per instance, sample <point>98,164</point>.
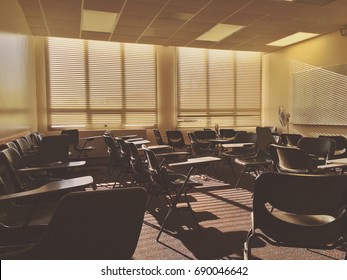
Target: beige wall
<point>17,73</point>
<point>17,85</point>
<point>324,51</point>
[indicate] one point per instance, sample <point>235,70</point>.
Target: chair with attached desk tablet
<point>341,145</point>
<point>113,151</point>
<point>24,211</point>
<point>176,140</point>
<point>139,168</point>
<point>159,138</point>
<point>227,133</point>
<point>82,151</point>
<point>261,160</point>
<point>320,149</point>
<point>244,146</point>
<point>200,148</point>
<point>37,175</point>
<point>125,172</point>
<point>173,185</point>
<point>91,225</point>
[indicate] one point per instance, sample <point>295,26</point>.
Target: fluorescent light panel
<point>97,21</point>
<point>292,39</point>
<point>219,32</point>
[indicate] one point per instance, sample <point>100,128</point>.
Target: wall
<point>17,73</point>
<point>17,86</point>
<point>325,51</point>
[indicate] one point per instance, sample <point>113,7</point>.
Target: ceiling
<point>181,22</point>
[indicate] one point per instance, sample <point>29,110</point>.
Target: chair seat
<point>89,148</point>
<point>180,179</point>
<point>250,161</point>
<point>304,230</point>
<point>305,220</point>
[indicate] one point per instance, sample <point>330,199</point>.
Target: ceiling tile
<point>124,38</point>
<point>167,23</point>
<point>104,5</point>
<point>200,44</point>
<point>213,16</point>
<point>36,22</point>
<point>129,30</point>
<point>134,20</point>
<point>89,35</point>
<point>243,19</point>
<point>151,40</point>
<point>158,32</point>
<point>136,8</point>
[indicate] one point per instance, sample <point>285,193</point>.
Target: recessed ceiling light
<point>219,32</point>
<point>97,21</point>
<point>292,39</point>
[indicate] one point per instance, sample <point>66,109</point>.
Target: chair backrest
<point>291,159</point>
<point>205,134</point>
<point>340,145</point>
<point>137,165</point>
<point>124,151</point>
<point>9,145</point>
<point>29,141</point>
<point>74,136</point>
<point>175,139</point>
<point>158,137</point>
<point>195,144</point>
<point>9,182</point>
<point>158,173</point>
<point>246,137</point>
<point>192,138</point>
<point>265,139</point>
<point>227,132</point>
<point>53,148</point>
<point>112,148</point>
<point>300,194</point>
<point>94,225</point>
<point>290,139</point>
<point>110,143</point>
<point>36,138</point>
<point>318,146</point>
<point>22,146</point>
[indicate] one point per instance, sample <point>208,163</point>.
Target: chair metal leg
<point>238,181</point>
<point>191,211</point>
<point>163,224</point>
<point>247,253</point>
<point>174,203</point>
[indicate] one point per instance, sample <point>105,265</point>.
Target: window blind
<point>96,84</point>
<point>218,87</point>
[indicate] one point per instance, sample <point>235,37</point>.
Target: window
<point>218,87</point>
<point>95,84</point>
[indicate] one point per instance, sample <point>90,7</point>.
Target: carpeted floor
<point>223,213</point>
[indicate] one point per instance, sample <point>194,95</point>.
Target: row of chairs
<point>68,224</point>
<point>147,170</point>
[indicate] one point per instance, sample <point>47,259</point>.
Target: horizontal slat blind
<point>140,85</point>
<point>67,87</point>
<point>98,84</point>
<point>216,86</point>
